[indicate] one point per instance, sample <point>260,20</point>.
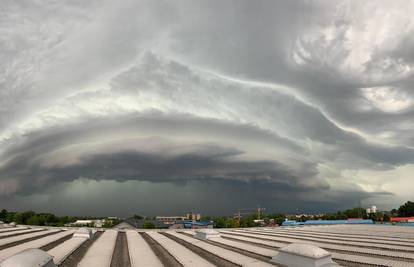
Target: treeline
<point>346,214</point>
<point>278,219</point>
<point>49,219</point>
<point>406,210</point>
<point>41,219</point>
<point>245,221</point>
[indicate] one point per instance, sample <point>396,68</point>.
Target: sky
<point>168,107</point>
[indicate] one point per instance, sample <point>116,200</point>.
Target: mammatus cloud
<point>270,101</point>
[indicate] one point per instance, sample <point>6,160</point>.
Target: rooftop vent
<point>32,257</point>
<point>83,233</point>
<point>303,255</point>
<point>206,233</point>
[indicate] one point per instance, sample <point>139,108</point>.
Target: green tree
<point>406,210</point>
<point>231,223</point>
<point>248,221</point>
<point>148,225</point>
<point>3,214</point>
<point>356,213</point>
<point>34,220</point>
<point>9,217</point>
<point>18,218</point>
<point>219,222</point>
<point>108,224</point>
<point>31,218</point>
<point>27,215</point>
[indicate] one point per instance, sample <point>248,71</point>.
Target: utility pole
<point>259,210</point>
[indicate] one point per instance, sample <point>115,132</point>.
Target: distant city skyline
<point>166,107</point>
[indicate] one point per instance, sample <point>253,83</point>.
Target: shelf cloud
<point>292,105</point>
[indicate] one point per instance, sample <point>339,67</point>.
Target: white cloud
<point>388,99</point>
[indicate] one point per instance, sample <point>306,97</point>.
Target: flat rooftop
<point>350,245</point>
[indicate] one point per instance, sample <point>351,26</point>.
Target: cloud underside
<point>311,102</point>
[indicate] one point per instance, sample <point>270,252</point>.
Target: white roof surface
<point>226,254</point>
<point>348,244</point>
<point>17,238</point>
<point>2,234</point>
<point>29,257</point>
<point>63,250</point>
<point>140,252</point>
<point>100,253</point>
<point>183,255</point>
<point>37,243</point>
<point>10,229</point>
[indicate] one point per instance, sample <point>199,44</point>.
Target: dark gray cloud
<point>215,197</point>
<point>216,165</point>
<point>146,148</point>
<point>261,101</point>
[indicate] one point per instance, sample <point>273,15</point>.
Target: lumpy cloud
<point>265,100</point>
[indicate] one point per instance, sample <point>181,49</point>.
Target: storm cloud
<point>292,105</point>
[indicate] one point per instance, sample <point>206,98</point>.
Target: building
<point>327,222</point>
<point>372,209</point>
<point>170,219</point>
<point>192,225</point>
<point>66,248</point>
<point>193,216</point>
<point>260,222</point>
<point>402,219</point>
<point>177,219</point>
<point>93,223</point>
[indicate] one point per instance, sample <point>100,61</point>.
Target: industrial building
<point>327,222</point>
<point>192,225</point>
<point>93,223</point>
<point>298,246</point>
<point>402,219</point>
<point>170,219</point>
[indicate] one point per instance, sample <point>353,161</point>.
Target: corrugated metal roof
<point>349,245</point>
